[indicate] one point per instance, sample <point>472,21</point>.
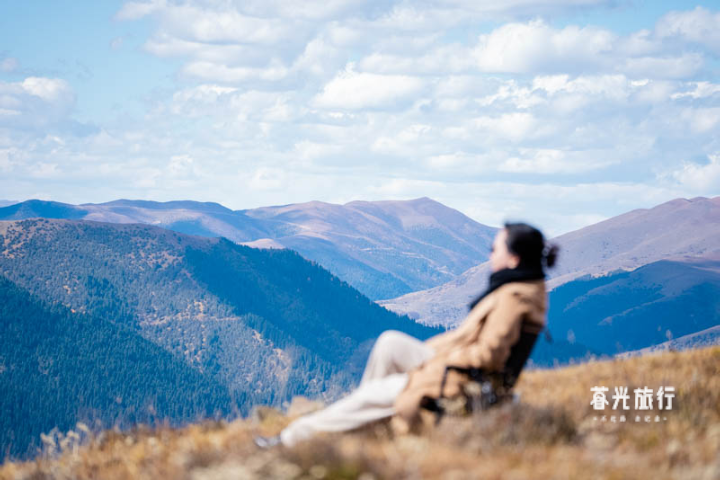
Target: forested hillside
<point>59,367</point>
<point>266,324</point>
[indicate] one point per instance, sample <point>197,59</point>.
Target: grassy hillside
<point>550,433</point>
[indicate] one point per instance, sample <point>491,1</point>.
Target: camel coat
<point>483,340</point>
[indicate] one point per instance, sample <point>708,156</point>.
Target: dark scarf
<point>507,275</point>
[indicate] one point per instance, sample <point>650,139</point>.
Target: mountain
<point>626,311</point>
<point>705,338</point>
<point>678,228</point>
<point>384,248</point>
<point>58,367</point>
<point>40,208</point>
<point>5,203</point>
<point>266,324</point>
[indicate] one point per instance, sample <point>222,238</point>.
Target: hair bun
<point>550,254</point>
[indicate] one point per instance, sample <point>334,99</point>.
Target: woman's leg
<point>393,355</point>
<point>372,400</point>
<point>395,352</point>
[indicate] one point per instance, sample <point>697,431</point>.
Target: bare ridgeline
<point>554,431</point>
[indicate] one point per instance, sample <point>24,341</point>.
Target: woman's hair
<point>528,243</point>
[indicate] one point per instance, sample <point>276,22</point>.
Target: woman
<point>401,369</point>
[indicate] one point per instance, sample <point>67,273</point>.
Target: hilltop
<point>551,433</point>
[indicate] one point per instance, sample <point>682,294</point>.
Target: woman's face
<point>500,256</point>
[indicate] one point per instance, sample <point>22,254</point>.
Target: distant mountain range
<point>631,310</point>
<point>669,304</point>
<point>265,323</point>
<point>628,283</point>
<point>383,248</point>
<point>259,325</point>
<point>679,228</point>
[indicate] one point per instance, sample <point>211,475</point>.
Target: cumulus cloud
<point>700,178</point>
<point>701,120</point>
<point>535,46</point>
<point>699,90</point>
<point>488,106</point>
<point>357,90</point>
<point>209,71</point>
<point>35,102</point>
<point>49,89</point>
<point>700,26</point>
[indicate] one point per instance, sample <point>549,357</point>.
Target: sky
<point>561,113</point>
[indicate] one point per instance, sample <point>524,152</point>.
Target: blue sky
<point>557,112</point>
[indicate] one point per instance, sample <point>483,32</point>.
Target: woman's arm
<point>500,332</point>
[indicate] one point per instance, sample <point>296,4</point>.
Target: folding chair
<point>486,389</point>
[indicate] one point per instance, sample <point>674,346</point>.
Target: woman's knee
<point>391,336</point>
<point>389,339</point>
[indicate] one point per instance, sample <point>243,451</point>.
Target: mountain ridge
<point>595,250</point>
<point>382,248</point>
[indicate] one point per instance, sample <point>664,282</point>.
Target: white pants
<point>385,376</point>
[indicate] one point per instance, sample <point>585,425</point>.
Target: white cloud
<point>355,90</point>
<point>552,161</point>
<point>238,38</point>
<point>701,120</point>
<point>512,126</point>
<point>449,59</point>
<point>267,179</point>
<point>10,157</point>
<point>309,9</point>
<point>472,103</point>
<point>535,46</point>
<point>699,26</point>
<point>403,142</point>
<point>223,26</point>
<point>700,90</point>
<point>700,178</point>
<point>682,66</point>
<point>49,89</point>
<point>35,103</point>
<point>208,71</point>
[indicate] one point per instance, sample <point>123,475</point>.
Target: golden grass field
<point>550,434</point>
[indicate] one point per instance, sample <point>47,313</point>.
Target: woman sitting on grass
<point>402,370</point>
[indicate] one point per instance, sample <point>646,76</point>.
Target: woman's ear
<point>514,261</point>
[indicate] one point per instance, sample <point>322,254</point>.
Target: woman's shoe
<point>267,442</point>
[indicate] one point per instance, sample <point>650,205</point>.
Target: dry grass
<point>550,434</point>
